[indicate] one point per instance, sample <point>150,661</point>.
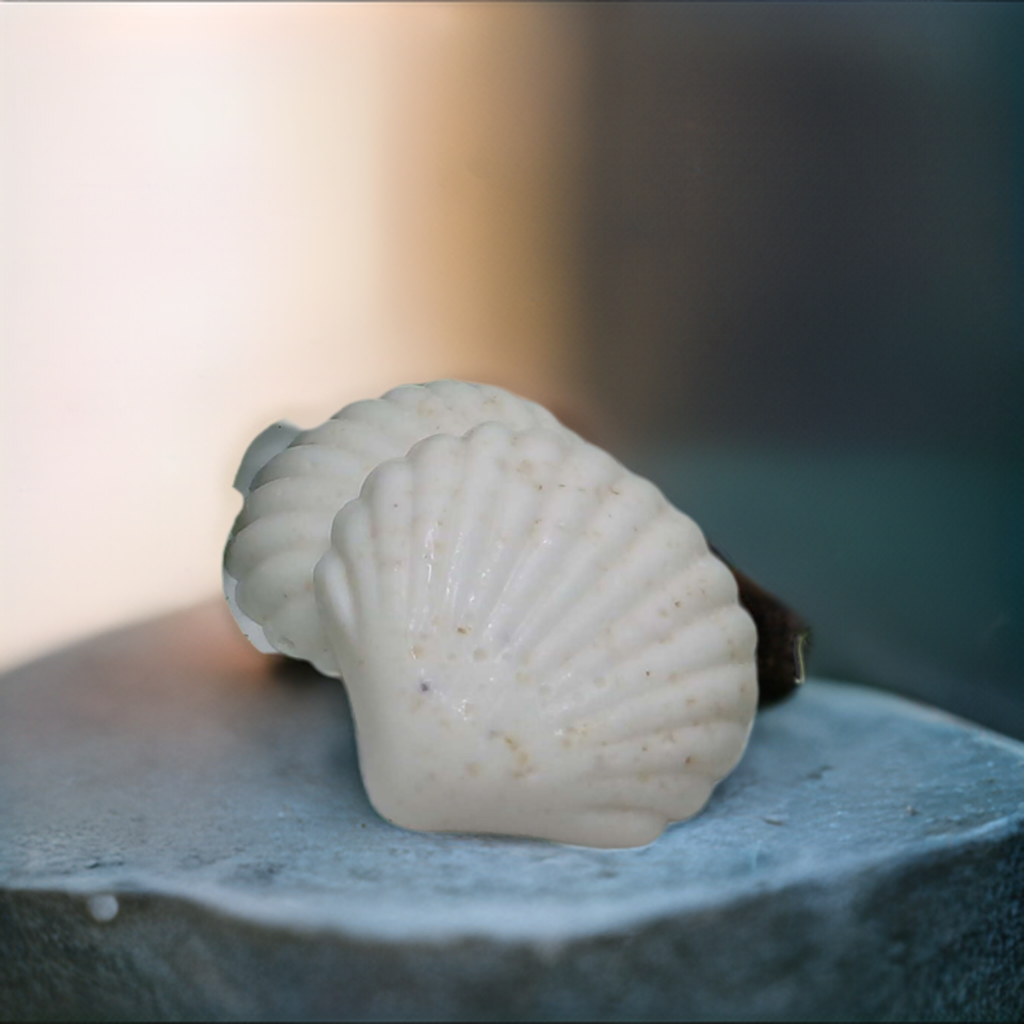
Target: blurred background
<point>771,256</point>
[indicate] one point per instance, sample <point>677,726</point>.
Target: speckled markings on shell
<point>295,481</point>
<point>534,641</point>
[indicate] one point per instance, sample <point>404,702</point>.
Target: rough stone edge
<point>937,937</point>
<point>278,911</point>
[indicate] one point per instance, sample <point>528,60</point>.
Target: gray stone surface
<point>183,834</point>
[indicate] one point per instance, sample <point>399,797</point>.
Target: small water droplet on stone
<point>103,907</point>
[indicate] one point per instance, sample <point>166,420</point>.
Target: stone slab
<point>183,834</point>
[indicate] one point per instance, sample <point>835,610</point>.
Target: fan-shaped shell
<point>534,642</point>
<point>292,496</point>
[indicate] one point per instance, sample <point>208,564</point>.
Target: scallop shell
<point>534,642</point>
<point>295,481</point>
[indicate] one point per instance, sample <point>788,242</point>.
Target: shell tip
<point>263,448</point>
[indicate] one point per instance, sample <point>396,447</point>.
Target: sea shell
<point>534,642</point>
<point>295,481</point>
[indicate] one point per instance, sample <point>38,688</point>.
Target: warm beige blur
<point>217,216</point>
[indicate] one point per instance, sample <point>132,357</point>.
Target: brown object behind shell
<point>783,639</point>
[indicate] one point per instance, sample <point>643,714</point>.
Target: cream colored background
<point>217,216</point>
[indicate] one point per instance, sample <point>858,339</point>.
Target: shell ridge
<point>367,443</point>
<point>479,517</point>
<point>461,507</point>
<point>654,628</point>
<point>346,449</point>
<point>643,711</point>
<point>418,568</point>
<point>291,610</point>
<point>382,421</point>
<point>587,613</point>
<point>506,528</point>
<point>452,508</point>
<point>297,623</point>
<point>290,494</point>
<point>530,586</point>
<point>577,568</point>
<point>371,412</point>
<point>671,771</point>
<point>529,414</point>
<point>511,525</point>
<point>333,589</point>
<point>350,536</point>
<point>494,403</point>
<point>300,461</point>
<point>269,584</point>
<point>642,729</point>
<point>683,745</point>
<point>420,560</point>
<point>536,471</point>
<point>444,455</point>
<point>612,555</point>
<point>597,701</point>
<point>456,395</point>
<point>386,491</point>
<point>496,630</point>
<point>590,614</point>
<point>404,394</point>
<point>431,511</point>
<point>438,401</point>
<point>412,574</point>
<point>249,546</point>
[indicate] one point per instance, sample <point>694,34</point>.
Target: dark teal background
<point>802,252</point>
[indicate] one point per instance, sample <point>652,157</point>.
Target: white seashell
<point>294,482</point>
<point>534,642</point>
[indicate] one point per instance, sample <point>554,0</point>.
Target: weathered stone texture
<point>865,861</point>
